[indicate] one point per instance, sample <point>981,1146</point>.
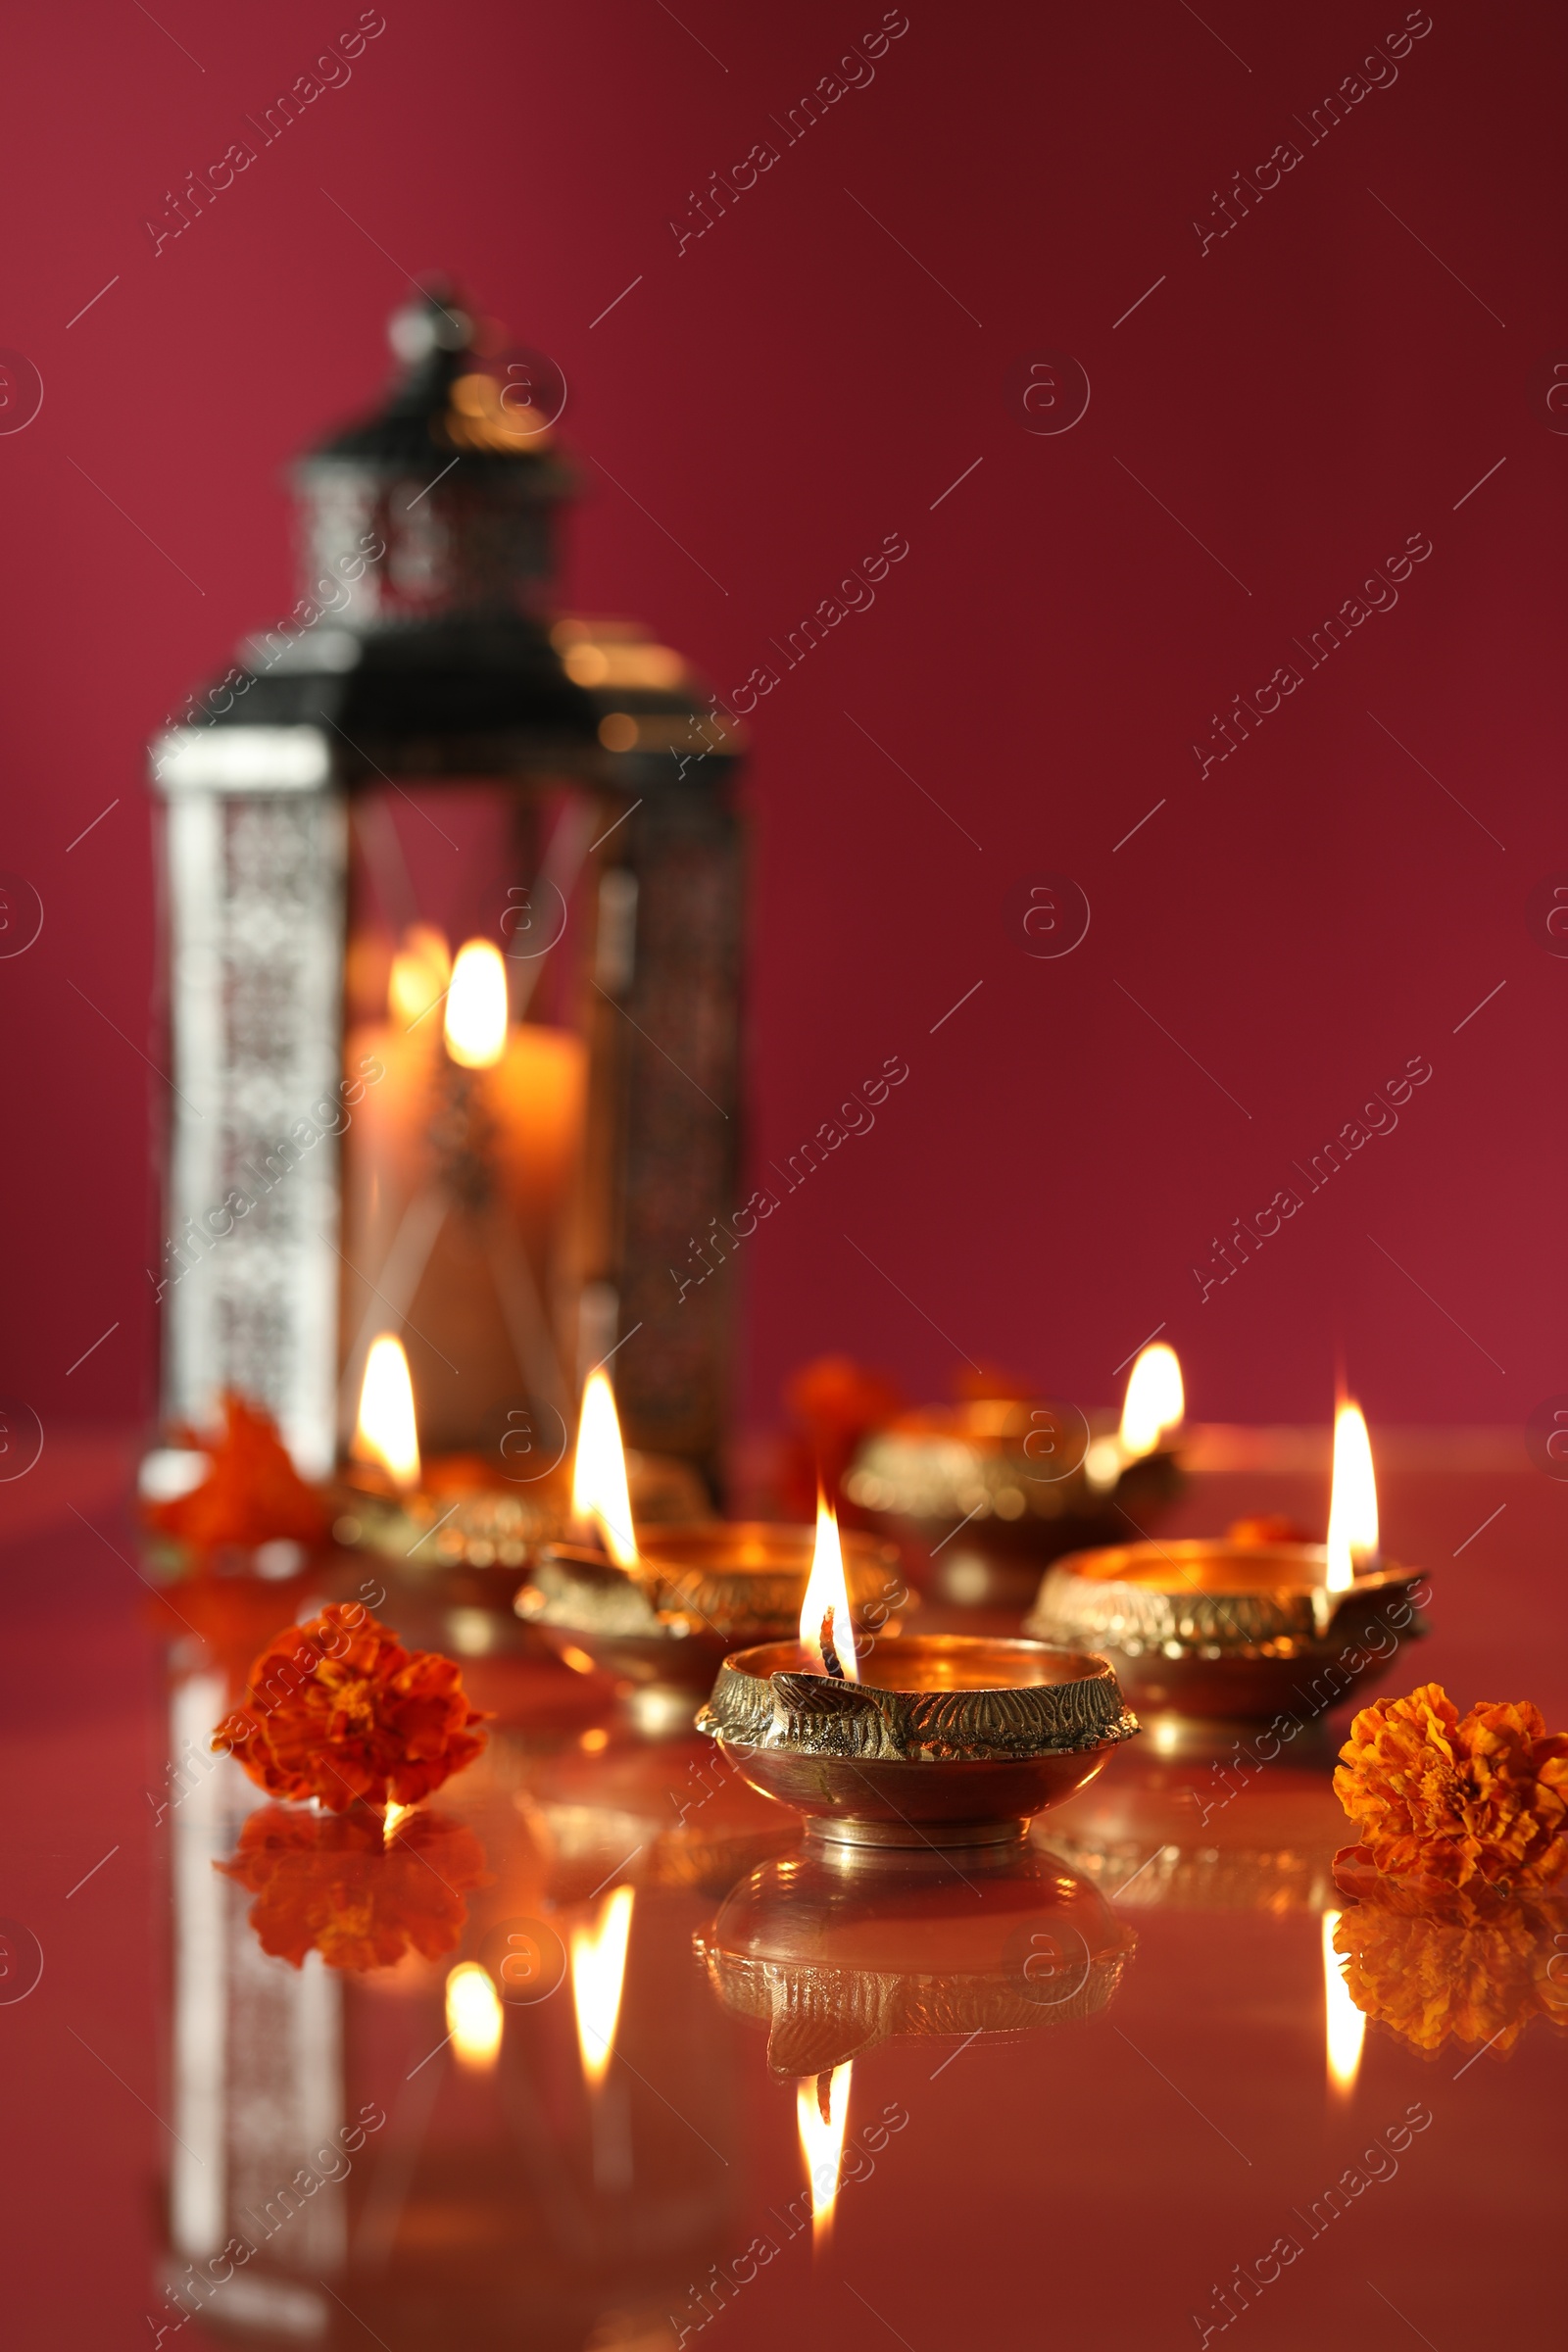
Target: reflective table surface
<point>1105,2089</point>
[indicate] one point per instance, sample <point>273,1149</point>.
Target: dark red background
<point>783,394</point>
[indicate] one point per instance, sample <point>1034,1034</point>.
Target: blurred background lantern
<point>455,917</point>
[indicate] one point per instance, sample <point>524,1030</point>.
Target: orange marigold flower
<point>1480,1799</point>
<point>251,1495</point>
<point>338,1710</point>
<point>1466,1965</point>
<point>336,1886</point>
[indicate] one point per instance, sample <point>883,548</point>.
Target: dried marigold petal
<point>1478,1799</point>
<point>338,1710</point>
<point>338,1886</point>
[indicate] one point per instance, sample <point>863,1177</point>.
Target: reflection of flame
<point>827,1595</point>
<point>599,1496</point>
<point>1343,2026</point>
<point>476,1006</point>
<point>420,970</point>
<point>1354,1502</point>
<point>473,2016</point>
<point>1153,1402</point>
<point>821,2113</point>
<point>386,1430</point>
<point>598,1974</point>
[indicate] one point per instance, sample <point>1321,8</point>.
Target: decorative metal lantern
<point>500,1161</point>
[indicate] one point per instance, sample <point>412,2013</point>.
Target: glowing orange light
<point>386,1432</point>
<point>1153,1402</point>
<point>420,970</point>
<point>828,1595</point>
<point>597,1978</point>
<point>600,1499</point>
<point>821,2115</point>
<point>474,2017</point>
<point>1354,1502</point>
<point>476,1006</point>
<point>1344,2025</point>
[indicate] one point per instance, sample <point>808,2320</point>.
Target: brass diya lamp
<point>661,1607</point>
<point>934,1740</point>
<point>835,1962</point>
<point>997,1487</point>
<point>1216,1631</point>
<point>453,1511</point>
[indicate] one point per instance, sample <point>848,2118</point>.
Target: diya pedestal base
<point>1213,1634</point>
<point>834,1964</point>
<point>947,1741</point>
<point>699,1591</point>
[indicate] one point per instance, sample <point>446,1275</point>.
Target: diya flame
<point>1352,1538</point>
<point>826,1632</point>
<point>386,1430</point>
<point>601,1504</point>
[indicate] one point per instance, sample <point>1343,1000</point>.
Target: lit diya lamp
<point>934,1740</point>
<point>661,1606</point>
<point>995,1487</point>
<point>1236,1629</point>
<point>451,1511</point>
<point>448,1511</point>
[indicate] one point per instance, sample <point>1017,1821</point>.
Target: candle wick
<point>824,2095</point>
<point>830,1656</point>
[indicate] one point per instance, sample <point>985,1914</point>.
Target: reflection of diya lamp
<point>833,1963</point>
<point>662,1607</point>
<point>1228,1629</point>
<point>929,1739</point>
<point>996,1487</point>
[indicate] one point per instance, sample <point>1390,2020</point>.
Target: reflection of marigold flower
<point>1471,1967</point>
<point>251,1495</point>
<point>1480,1799</point>
<point>338,1709</point>
<point>332,1885</point>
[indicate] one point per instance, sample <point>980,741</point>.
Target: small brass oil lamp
<point>934,1740</point>
<point>661,1607</point>
<point>1218,1630</point>
<point>997,1487</point>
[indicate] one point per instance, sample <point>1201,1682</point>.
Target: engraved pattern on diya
<point>1223,1629</point>
<point>699,1591</point>
<point>947,1738</point>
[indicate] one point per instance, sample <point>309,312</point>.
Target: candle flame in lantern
<point>475,2016</point>
<point>1344,2025</point>
<point>1354,1502</point>
<point>1153,1402</point>
<point>597,1978</point>
<point>599,1497</point>
<point>390,1819</point>
<point>476,1006</point>
<point>420,970</point>
<point>821,2115</point>
<point>388,1433</point>
<point>827,1596</point>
